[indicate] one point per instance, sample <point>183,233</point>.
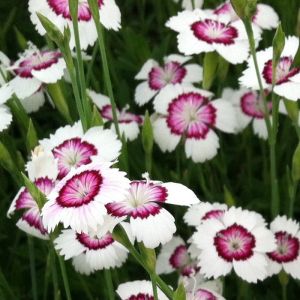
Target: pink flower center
<point>80,190</point>
<point>202,294</point>
<point>234,243</point>
<point>172,72</point>
<point>287,248</point>
<point>73,153</point>
<point>252,105</point>
<point>179,257</point>
<point>36,61</point>
<point>283,70</point>
<point>190,114</point>
<point>144,199</point>
<point>141,296</point>
<point>213,214</point>
<point>123,116</point>
<point>211,31</point>
<point>61,8</point>
<point>94,243</point>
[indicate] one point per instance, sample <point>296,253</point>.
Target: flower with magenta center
<point>238,240</point>
<point>156,78</point>
<point>58,12</point>
<point>186,113</point>
<point>143,205</point>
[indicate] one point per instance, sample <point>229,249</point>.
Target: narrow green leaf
<point>210,65</point>
<point>5,159</point>
<point>36,194</point>
<point>96,117</point>
<point>123,158</point>
<point>51,29</point>
<point>278,45</point>
<point>296,164</point>
<point>31,137</point>
<point>228,197</point>
<point>147,134</point>
<point>180,293</point>
<point>149,257</point>
<point>292,109</point>
<point>20,39</point>
<point>119,234</point>
<point>5,287</point>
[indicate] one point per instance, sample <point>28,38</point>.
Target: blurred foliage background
<point>240,168</point>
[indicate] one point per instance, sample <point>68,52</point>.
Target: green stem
<point>95,13</point>
<point>32,268</point>
<point>64,276</point>
<point>154,287</point>
<point>109,284</point>
<point>54,275</point>
<point>272,130</point>
<point>81,78</point>
<point>284,292</point>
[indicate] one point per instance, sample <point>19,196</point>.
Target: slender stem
<point>95,13</point>
<point>109,284</point>
<point>47,274</point>
<point>81,78</point>
<point>32,268</point>
<point>272,130</point>
<point>64,276</point>
<point>284,292</point>
<point>154,287</point>
<point>54,275</point>
<point>294,188</point>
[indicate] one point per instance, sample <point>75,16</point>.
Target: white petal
<point>178,58</point>
<point>143,93</point>
<point>179,194</point>
<point>166,140</point>
<point>51,74</point>
<point>194,73</point>
<point>264,239</point>
<point>273,267</point>
<point>235,53</point>
<point>110,15</point>
<point>24,87</point>
<point>266,17</point>
<point>252,269</point>
<point>6,92</point>
<point>131,130</point>
<point>24,226</point>
<point>5,117</point>
<point>81,265</point>
<point>98,99</point>
<point>34,102</point>
<point>289,225</point>
<point>293,268</point>
<point>289,90</point>
<point>260,128</point>
<point>202,149</point>
<point>226,116</point>
<point>146,68</point>
<point>163,224</point>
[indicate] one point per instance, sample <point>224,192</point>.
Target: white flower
<point>200,31</point>
<point>265,16</point>
<point>287,254</point>
<point>139,289</point>
<point>31,70</point>
<point>203,294</point>
<point>157,78</point>
<point>92,251</point>
<point>143,206</point>
<point>5,117</point>
<point>287,81</point>
<point>198,213</point>
<point>186,112</point>
<point>129,123</point>
<point>57,11</point>
<point>78,200</point>
<point>239,240</point>
<point>74,148</point>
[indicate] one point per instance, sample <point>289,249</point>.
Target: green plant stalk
<point>163,286</point>
<point>293,193</point>
<point>109,284</point>
<point>81,78</point>
<point>59,100</point>
<point>154,287</point>
<point>95,13</point>
<point>148,162</point>
<point>32,267</point>
<point>64,276</point>
<point>54,275</point>
<point>271,131</point>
